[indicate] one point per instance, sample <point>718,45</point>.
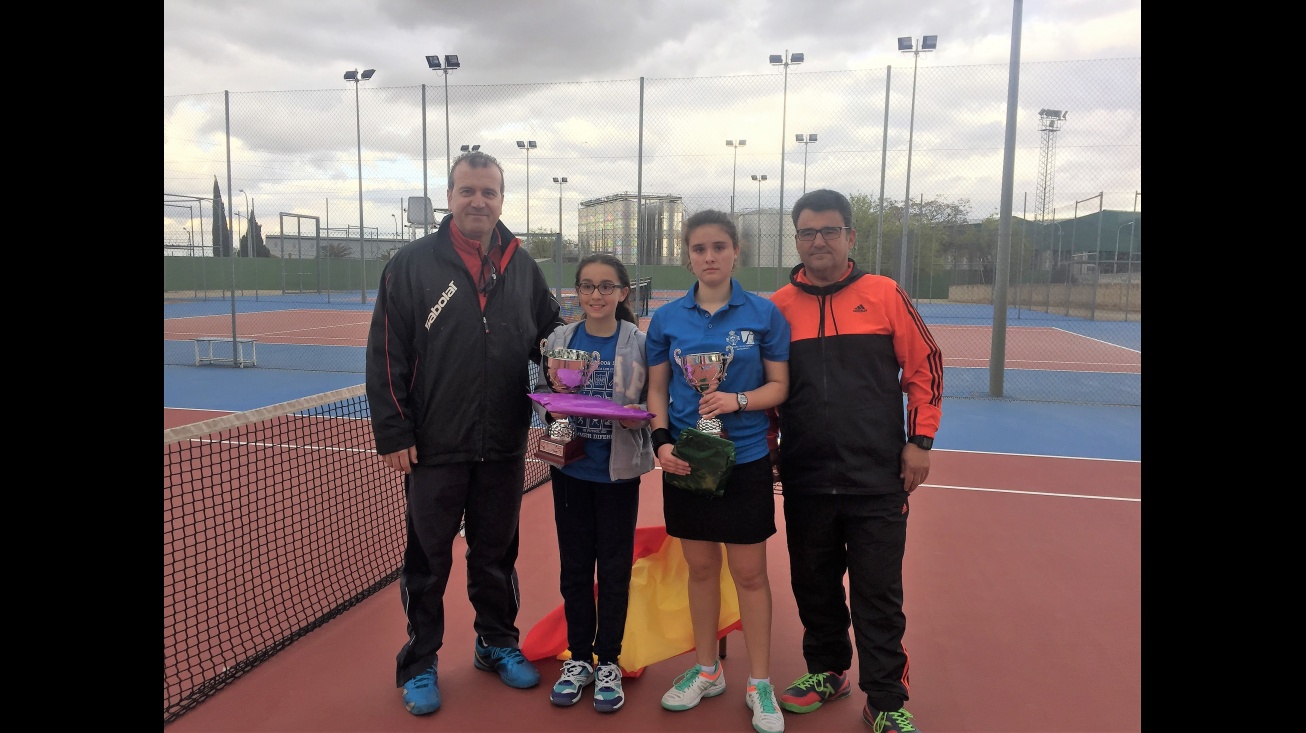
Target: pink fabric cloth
<point>583,405</point>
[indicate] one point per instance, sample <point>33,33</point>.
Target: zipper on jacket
<point>487,323</point>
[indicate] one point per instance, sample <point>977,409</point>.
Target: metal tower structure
<point>1049,123</point>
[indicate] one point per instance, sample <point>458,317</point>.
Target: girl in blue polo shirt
<point>718,315</point>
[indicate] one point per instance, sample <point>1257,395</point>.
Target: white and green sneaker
<point>694,685</point>
<point>766,713</point>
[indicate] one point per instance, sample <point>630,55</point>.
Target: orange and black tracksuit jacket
<point>856,347</point>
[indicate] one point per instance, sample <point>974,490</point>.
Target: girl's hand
<point>633,424</point>
<point>670,463</point>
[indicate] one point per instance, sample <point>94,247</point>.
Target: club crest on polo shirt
<point>439,304</point>
<point>741,340</point>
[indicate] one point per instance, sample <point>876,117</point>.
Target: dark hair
<point>704,218</point>
<point>823,199</point>
<point>476,159</point>
<point>624,311</point>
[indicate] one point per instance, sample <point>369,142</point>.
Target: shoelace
<point>507,656</point>
<point>765,697</point>
<point>684,681</point>
<point>809,681</point>
<point>423,680</point>
<point>607,675</point>
<point>903,720</point>
<point>574,671</point>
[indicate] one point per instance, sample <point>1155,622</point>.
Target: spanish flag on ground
<point>657,619</point>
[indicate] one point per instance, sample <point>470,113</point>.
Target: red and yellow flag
<point>657,618</point>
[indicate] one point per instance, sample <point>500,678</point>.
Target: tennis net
<point>275,521</point>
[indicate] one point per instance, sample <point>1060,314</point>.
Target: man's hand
<point>402,460</point>
<point>915,467</point>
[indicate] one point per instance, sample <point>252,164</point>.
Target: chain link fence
<point>1073,326</point>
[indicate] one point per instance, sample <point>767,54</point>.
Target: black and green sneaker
<point>813,689</point>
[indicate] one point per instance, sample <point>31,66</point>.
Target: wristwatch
<point>743,401</point>
<point>922,442</point>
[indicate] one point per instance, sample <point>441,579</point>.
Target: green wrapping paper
<point>710,458</point>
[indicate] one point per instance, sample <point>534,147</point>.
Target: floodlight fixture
<point>904,43</point>
<point>929,43</point>
<point>469,148</point>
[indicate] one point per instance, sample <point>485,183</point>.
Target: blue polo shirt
<point>752,327</point>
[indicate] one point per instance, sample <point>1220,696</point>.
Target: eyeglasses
<point>827,233</point>
<point>489,275</point>
<point>605,288</point>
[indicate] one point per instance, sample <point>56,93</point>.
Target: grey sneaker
<point>575,675</point>
<point>766,713</point>
<point>692,686</point>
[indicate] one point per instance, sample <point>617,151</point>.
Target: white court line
<point>1033,493</point>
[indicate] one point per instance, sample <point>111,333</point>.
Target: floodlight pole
<point>528,146</point>
<point>734,172</point>
<point>450,63</point>
<point>356,78</point>
<point>785,61</point>
<point>805,140</point>
<point>759,180</point>
<point>558,289</point>
<point>914,48</point>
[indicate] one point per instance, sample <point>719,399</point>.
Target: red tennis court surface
<point>963,346</point>
<point>1023,600</point>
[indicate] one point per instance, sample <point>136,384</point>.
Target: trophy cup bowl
<point>568,370</point>
<point>705,372</point>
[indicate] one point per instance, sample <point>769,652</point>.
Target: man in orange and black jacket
<point>849,460</point>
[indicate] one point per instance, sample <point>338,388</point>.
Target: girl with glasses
<point>596,497</point>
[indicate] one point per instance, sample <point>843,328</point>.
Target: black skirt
<point>744,515</point>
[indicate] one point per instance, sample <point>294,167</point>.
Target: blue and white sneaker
<point>512,667</point>
<point>608,697</point>
<point>575,675</point>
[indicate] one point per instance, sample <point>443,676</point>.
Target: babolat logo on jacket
<point>439,304</point>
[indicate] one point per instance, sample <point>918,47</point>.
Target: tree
<point>337,251</point>
<point>221,234</point>
<point>256,230</point>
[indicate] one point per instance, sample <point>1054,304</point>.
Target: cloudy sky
<point>278,45</point>
<point>566,72</point>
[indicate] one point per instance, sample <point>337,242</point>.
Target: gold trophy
<point>567,370</point>
<point>705,372</point>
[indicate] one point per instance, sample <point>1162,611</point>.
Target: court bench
<point>208,357</point>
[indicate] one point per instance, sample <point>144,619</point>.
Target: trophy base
<point>559,452</point>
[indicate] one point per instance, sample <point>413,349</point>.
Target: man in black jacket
<point>459,316</point>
